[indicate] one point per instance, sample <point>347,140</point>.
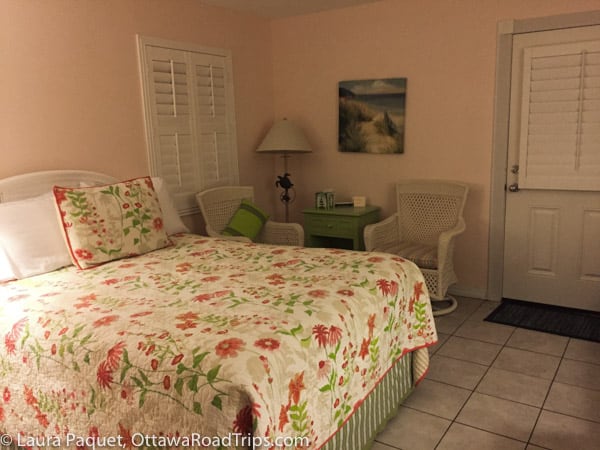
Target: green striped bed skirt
<point>379,407</point>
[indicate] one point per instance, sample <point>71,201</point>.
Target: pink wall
<point>446,49</point>
<point>71,98</point>
<point>70,87</point>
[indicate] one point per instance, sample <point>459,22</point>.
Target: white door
<point>552,237</point>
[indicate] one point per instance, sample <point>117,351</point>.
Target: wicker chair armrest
<point>459,228</point>
<point>446,242</point>
<point>281,233</point>
<point>382,235</point>
<point>212,233</point>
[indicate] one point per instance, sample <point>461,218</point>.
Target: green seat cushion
<point>247,221</point>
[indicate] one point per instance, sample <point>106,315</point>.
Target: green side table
<point>340,227</point>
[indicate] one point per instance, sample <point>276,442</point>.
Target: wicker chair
<point>218,205</point>
<point>423,230</point>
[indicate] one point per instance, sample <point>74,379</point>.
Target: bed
<point>206,342</point>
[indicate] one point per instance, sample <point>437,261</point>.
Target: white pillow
<point>171,219</point>
<point>31,236</point>
<point>6,271</point>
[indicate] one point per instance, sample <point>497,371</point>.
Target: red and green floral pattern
<point>208,336</point>
<point>110,222</point>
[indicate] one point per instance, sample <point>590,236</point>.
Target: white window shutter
<point>214,126</point>
<point>560,117</point>
<point>190,119</point>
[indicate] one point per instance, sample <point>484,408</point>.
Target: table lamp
<point>285,138</point>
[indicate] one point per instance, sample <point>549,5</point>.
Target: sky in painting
<point>374,87</point>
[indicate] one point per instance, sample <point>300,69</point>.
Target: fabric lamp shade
<point>284,137</point>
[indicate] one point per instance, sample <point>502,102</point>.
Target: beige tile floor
<point>492,386</point>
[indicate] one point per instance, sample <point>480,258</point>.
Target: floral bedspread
<point>203,344</point>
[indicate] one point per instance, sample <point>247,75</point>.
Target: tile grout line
<point>476,385</point>
<point>436,352</point>
<point>433,415</point>
<point>460,322</point>
<point>547,394</point>
<point>479,382</point>
<point>450,336</point>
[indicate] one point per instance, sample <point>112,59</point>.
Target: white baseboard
<point>466,291</point>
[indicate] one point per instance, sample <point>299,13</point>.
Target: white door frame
<point>504,37</point>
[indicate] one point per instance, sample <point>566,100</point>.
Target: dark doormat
<point>571,322</point>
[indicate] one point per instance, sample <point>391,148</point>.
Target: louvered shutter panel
<point>189,101</point>
<point>560,117</point>
<point>215,131</point>
<point>173,158</point>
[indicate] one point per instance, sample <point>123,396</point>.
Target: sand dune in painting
<point>371,116</point>
<point>364,129</point>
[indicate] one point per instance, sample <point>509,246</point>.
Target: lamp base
<point>287,197</point>
<point>284,182</point>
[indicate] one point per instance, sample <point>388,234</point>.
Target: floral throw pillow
<point>104,223</point>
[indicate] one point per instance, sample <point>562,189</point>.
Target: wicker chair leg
<point>443,306</point>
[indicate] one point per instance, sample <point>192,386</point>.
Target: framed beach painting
<point>371,116</point>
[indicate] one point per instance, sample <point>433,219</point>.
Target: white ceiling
<point>283,8</point>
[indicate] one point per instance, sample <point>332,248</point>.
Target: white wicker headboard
<point>33,184</point>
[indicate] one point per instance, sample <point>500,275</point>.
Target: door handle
<point>514,187</point>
